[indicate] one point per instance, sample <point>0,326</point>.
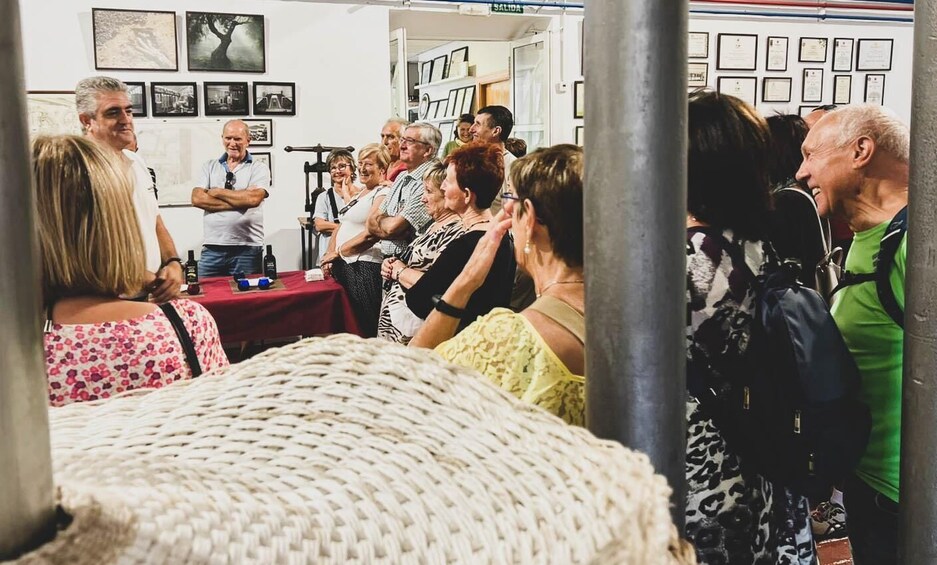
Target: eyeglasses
<point>338,167</point>
<point>409,140</point>
<point>229,180</point>
<point>510,196</point>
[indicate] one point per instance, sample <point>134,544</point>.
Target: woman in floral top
<point>98,344</point>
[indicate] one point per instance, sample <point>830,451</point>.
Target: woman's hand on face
<point>479,264</point>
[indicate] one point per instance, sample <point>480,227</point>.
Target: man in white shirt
<point>105,113</point>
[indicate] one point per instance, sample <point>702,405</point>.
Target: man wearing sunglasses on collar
<point>232,191</point>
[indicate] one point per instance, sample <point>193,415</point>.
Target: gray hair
<point>429,134</point>
<point>403,123</point>
<point>242,123</point>
<point>87,91</point>
<point>878,123</point>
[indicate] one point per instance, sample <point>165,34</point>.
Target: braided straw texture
<point>344,450</point>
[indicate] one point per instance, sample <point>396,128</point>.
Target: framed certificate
<point>698,75</point>
<point>842,55</point>
<point>812,50</point>
<point>874,54</point>
<point>740,87</point>
<point>776,58</point>
<point>842,89</point>
<point>736,52</point>
<point>776,89</point>
<point>580,135</point>
<point>875,89</point>
<point>813,85</point>
<point>579,99</point>
<point>698,45</point>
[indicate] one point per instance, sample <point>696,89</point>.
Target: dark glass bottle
<point>191,269</point>
<point>270,264</point>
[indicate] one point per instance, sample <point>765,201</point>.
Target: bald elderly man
<point>232,190</point>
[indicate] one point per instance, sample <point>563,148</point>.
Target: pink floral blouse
<point>95,361</point>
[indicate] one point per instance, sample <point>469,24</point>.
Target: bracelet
<point>168,261</point>
<point>400,270</point>
<point>446,308</point>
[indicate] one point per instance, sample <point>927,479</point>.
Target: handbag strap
<point>563,314</point>
<point>184,338</point>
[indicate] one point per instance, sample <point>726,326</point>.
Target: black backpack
<point>791,410</point>
<point>887,249</point>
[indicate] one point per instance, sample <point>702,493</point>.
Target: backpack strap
<point>563,314</point>
<point>886,258</point>
<point>184,338</point>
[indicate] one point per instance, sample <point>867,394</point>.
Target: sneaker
<point>828,520</point>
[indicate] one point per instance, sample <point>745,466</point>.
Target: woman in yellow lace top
<point>537,355</point>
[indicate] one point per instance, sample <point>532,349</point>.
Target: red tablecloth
<point>302,308</point>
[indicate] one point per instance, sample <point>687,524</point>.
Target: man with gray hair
<point>390,138</point>
<point>105,113</point>
<point>231,192</point>
<point>402,214</point>
<point>856,165</point>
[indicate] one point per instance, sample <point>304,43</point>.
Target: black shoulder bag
<point>184,338</point>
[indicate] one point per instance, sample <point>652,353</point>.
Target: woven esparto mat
<point>344,450</point>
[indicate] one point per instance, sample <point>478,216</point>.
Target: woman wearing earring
<point>539,354</point>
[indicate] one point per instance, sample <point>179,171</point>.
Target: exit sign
<point>506,8</point>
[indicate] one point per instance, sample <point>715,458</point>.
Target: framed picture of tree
<point>225,42</point>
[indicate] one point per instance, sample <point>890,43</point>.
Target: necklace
<point>473,224</point>
<point>547,286</point>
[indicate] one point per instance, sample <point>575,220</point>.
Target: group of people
<point>432,253</point>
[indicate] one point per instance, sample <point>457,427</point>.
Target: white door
<point>530,90</point>
<point>398,72</point>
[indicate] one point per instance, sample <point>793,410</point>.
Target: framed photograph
<point>433,108</point>
<point>451,102</point>
<point>275,98</point>
<point>579,100</point>
<point>874,89</point>
<point>740,87</point>
<point>580,135</point>
<point>261,132</point>
<point>174,99</point>
<point>469,100</point>
<point>698,75</point>
<point>459,100</point>
<point>225,42</point>
<point>445,128</point>
<point>812,50</point>
<point>424,106</point>
<point>812,87</point>
<point>874,54</point>
<point>226,99</point>
<point>439,68</point>
<point>442,109</point>
<point>842,89</point>
<point>776,54</point>
<point>776,89</point>
<point>152,33</point>
<point>457,56</point>
<point>698,45</point>
<point>137,92</point>
<point>804,111</point>
<point>52,112</point>
<point>265,158</point>
<point>842,55</point>
<point>736,52</point>
<point>426,72</point>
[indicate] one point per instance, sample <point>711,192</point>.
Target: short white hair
<point>87,91</point>
<point>876,122</point>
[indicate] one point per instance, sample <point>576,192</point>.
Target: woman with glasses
<point>474,175</point>
<point>354,256</point>
<point>538,354</point>
<point>342,170</point>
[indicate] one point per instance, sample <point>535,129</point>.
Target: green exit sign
<point>506,8</point>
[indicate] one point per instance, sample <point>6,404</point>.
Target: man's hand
<point>165,284</point>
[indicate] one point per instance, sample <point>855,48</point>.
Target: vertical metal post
<point>917,541</point>
<point>635,212</point>
<point>27,512</point>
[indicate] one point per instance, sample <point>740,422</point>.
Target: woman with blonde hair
<point>98,344</point>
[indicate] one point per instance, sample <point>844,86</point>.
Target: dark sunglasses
<point>229,180</point>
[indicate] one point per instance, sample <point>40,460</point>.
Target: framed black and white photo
<point>874,54</point>
<point>812,49</point>
<point>812,87</point>
<point>137,93</point>
<point>172,99</point>
<point>446,128</point>
<point>439,68</point>
<point>698,45</point>
<point>842,89</point>
<point>265,157</point>
<point>152,33</point>
<point>842,55</point>
<point>469,99</point>
<point>453,108</point>
<point>456,58</point>
<point>226,99</point>
<point>740,87</point>
<point>579,99</point>
<point>697,75</point>
<point>874,89</point>
<point>776,54</point>
<point>736,52</point>
<point>776,89</point>
<point>225,42</point>
<point>442,109</point>
<point>261,132</point>
<point>580,135</point>
<point>426,72</point>
<point>275,98</point>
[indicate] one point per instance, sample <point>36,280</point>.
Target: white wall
<point>336,54</point>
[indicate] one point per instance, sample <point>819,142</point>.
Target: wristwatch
<point>446,308</point>
<point>168,261</point>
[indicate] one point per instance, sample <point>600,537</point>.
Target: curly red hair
<point>479,167</point>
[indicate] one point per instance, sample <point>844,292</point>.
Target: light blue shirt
<point>235,227</point>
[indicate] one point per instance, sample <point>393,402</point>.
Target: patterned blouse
<point>732,517</point>
<point>95,361</point>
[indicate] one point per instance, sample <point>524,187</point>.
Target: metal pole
<point>635,210</point>
<point>27,511</point>
<point>917,517</point>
